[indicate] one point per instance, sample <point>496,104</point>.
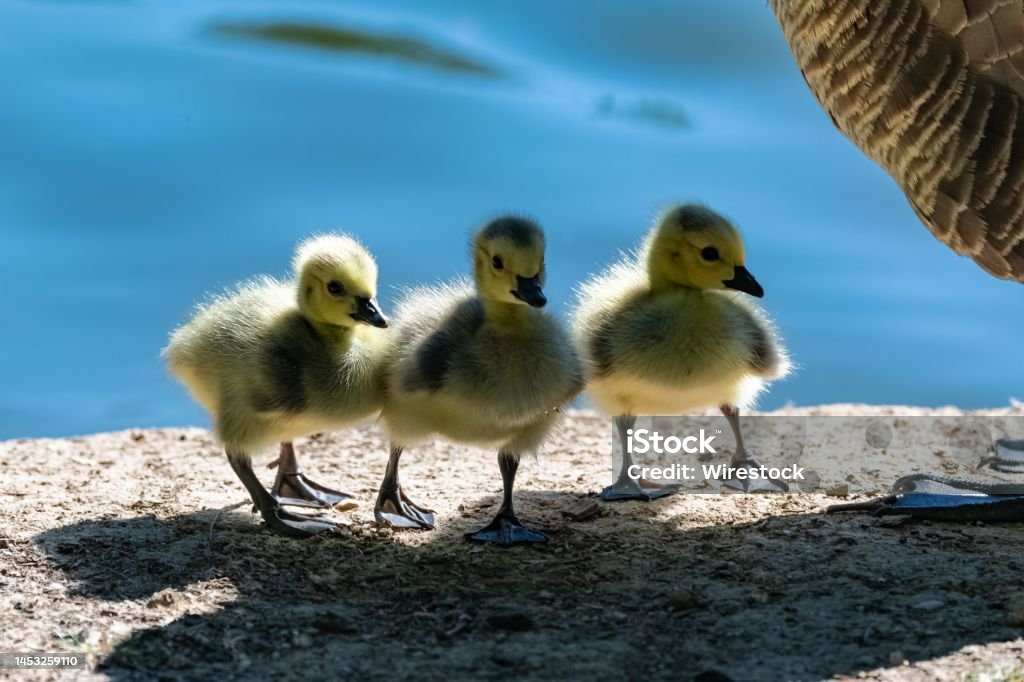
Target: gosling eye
<point>709,253</point>
<point>335,288</point>
<point>498,263</point>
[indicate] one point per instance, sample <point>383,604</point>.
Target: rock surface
<point>138,550</point>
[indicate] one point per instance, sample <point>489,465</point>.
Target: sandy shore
<point>133,549</point>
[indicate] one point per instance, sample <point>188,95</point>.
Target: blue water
<point>151,152</point>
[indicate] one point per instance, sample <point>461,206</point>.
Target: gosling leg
<point>626,488</point>
<point>506,530</point>
<point>294,488</point>
<point>276,518</point>
<point>741,459</point>
<point>393,507</point>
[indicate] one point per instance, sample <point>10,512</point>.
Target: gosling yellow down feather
<point>672,329</point>
<point>481,365</point>
<point>273,360</point>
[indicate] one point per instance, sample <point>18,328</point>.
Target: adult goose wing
<point>932,91</point>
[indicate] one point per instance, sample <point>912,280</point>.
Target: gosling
<point>275,360</point>
<point>664,332</point>
<point>481,366</point>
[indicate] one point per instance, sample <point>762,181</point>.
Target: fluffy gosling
<point>665,332</point>
<point>274,360</point>
<point>480,365</point>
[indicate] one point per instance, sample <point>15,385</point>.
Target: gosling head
<point>692,246</point>
<point>508,259</point>
<point>337,282</point>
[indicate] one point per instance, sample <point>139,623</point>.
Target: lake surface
<point>153,152</point>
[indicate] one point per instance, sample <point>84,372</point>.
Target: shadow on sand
<point>805,596</point>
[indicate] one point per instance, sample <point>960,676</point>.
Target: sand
<point>138,551</point>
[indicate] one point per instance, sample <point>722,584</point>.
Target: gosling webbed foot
<point>630,489</point>
<point>395,509</point>
<point>506,530</point>
<point>276,519</point>
<point>961,508</point>
<point>295,525</point>
<point>939,498</point>
<point>1009,457</point>
<point>753,485</point>
<point>295,489</point>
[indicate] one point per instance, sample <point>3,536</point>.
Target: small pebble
<point>683,600</point>
<point>811,481</point>
<point>841,490</point>
<point>120,630</point>
<point>897,658</point>
<point>513,621</point>
<point>334,624</point>
<point>1015,611</point>
<point>164,598</point>
<point>503,661</point>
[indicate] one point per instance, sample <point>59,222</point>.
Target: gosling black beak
<point>529,292</point>
<point>366,311</point>
<point>743,281</point>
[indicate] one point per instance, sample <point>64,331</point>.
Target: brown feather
<point>931,90</point>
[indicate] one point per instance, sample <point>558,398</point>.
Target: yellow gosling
<point>672,329</point>
<point>274,360</point>
<point>479,365</point>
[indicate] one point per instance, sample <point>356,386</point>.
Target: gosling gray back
<point>932,91</point>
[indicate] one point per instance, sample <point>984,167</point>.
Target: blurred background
<point>154,152</point>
